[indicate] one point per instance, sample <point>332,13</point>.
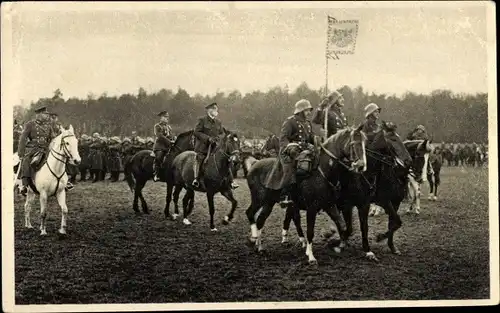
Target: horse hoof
<point>337,250</point>
<point>380,237</point>
<point>43,233</point>
<point>396,252</point>
<point>434,198</point>
<point>174,216</point>
<point>313,262</point>
<point>29,226</point>
<point>371,256</point>
<point>213,230</point>
<point>225,221</point>
<point>186,221</point>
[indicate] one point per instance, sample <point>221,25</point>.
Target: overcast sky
<point>416,49</point>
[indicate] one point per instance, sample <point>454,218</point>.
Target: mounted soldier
<point>370,125</point>
<point>296,129</point>
<point>207,133</point>
<point>336,118</point>
<point>34,142</point>
<point>84,151</point>
<point>163,142</point>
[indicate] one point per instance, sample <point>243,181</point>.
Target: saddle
<point>306,162</point>
<point>37,160</point>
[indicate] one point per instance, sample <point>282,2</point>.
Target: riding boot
<point>24,188</point>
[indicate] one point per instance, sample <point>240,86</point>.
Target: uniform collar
<point>299,118</point>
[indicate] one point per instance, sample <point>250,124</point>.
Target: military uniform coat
<point>293,130</point>
<point>97,155</point>
<point>163,133</point>
<point>370,128</point>
<point>336,120</point>
<point>114,157</point>
<point>84,151</point>
<point>205,129</point>
<point>35,138</point>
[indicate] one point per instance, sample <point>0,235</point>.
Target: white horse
<point>51,179</point>
<point>414,187</point>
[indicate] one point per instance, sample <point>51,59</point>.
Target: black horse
<point>313,193</point>
<point>215,178</point>
<point>384,184</point>
<point>139,168</point>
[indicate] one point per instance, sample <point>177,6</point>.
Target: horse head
<point>387,141</point>
<point>419,151</point>
<point>348,143</point>
<point>229,145</point>
<point>66,144</point>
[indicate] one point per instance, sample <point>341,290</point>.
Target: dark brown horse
<point>215,178</point>
<point>312,193</point>
<point>384,184</point>
<point>139,168</point>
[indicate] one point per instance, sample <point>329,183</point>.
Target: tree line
<point>447,116</point>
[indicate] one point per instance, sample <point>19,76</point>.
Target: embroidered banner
<point>341,37</point>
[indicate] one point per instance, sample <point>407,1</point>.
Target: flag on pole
<point>341,37</point>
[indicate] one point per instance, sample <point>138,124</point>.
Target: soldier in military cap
<point>207,132</point>
<point>127,151</point>
<point>296,129</point>
<point>97,157</point>
<point>418,133</point>
<point>336,118</point>
<point>163,142</point>
<point>35,138</point>
<point>84,151</point>
<point>114,158</point>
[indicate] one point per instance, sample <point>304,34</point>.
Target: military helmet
<point>302,105</point>
<point>421,127</point>
<point>115,139</point>
<point>141,140</point>
<point>150,139</point>
<point>370,108</point>
<point>127,139</point>
<point>95,135</point>
<point>334,96</point>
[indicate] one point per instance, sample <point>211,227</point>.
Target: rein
<point>66,156</point>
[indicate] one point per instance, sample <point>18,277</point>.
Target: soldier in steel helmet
<point>336,118</point>
<point>370,125</point>
<point>296,129</point>
<point>163,142</point>
<point>418,133</point>
<point>114,158</point>
<point>84,151</point>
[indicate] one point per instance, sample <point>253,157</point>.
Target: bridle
<point>229,156</point>
<point>66,155</point>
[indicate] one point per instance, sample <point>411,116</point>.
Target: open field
<point>112,255</point>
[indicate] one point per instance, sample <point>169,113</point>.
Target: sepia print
<point>216,155</point>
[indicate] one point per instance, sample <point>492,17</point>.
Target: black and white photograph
<point>248,155</point>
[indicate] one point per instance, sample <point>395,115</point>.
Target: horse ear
<point>71,129</point>
<point>61,128</point>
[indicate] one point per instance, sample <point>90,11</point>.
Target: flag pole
<point>327,109</point>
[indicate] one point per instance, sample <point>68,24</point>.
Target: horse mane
<point>183,135</point>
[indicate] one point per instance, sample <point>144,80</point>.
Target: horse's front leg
<point>363,223</point>
<point>286,224</point>
<point>187,206</point>
<point>61,199</point>
<point>211,209</point>
<point>168,199</point>
<point>311,222</point>
<point>177,192</point>
<point>43,213</point>
<point>27,209</point>
<point>228,194</point>
<point>393,225</point>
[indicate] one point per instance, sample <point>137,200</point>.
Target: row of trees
<point>447,116</point>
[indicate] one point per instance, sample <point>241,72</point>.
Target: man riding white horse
<point>34,141</point>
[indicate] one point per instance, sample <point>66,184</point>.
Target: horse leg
<point>137,191</point>
<point>347,214</point>
<point>27,209</point>
<point>286,224</point>
<point>311,221</point>
<point>228,194</point>
<point>186,208</point>
<point>43,213</point>
<point>61,199</point>
<point>211,209</point>
<point>430,179</point>
<point>298,226</point>
<point>394,224</point>
<point>338,219</point>
<point>168,199</point>
<point>261,220</point>
<point>177,192</point>
<point>363,223</point>
<point>417,198</point>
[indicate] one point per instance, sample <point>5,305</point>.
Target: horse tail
<point>127,171</point>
